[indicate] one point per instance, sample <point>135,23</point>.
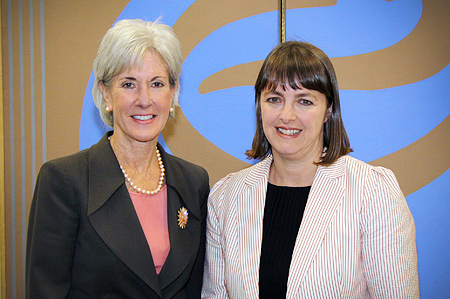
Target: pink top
<point>152,214</point>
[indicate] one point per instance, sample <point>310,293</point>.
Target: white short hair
<point>124,46</point>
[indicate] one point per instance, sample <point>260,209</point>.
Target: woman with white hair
<point>122,219</point>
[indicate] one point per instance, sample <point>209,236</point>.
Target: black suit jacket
<point>85,239</point>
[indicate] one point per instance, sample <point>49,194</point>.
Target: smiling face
<point>293,120</point>
<point>140,100</point>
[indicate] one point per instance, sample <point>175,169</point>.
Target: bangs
<point>297,68</point>
<point>133,57</point>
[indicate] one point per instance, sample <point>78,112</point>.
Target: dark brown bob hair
<point>301,64</point>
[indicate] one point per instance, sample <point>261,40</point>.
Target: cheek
<point>319,122</point>
<point>115,98</point>
<point>264,120</point>
<point>267,115</point>
<point>166,98</point>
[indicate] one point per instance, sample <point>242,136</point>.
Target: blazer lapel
<point>111,213</point>
<point>250,207</point>
<point>184,242</point>
<point>325,196</point>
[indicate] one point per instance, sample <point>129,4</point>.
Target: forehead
<point>286,87</point>
<point>149,59</point>
<point>300,91</point>
<point>151,63</point>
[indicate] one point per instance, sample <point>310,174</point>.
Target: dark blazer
<point>85,239</point>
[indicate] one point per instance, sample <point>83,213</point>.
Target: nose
<point>144,97</point>
<point>287,113</point>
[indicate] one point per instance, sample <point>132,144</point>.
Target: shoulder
<point>183,174</point>
<point>79,161</point>
<point>371,176</point>
<point>59,180</point>
<point>352,165</point>
<point>234,183</point>
<point>64,165</point>
<point>179,170</point>
<point>188,168</point>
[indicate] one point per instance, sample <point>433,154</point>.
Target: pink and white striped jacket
<point>356,239</point>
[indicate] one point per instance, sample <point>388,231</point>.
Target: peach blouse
<point>152,213</point>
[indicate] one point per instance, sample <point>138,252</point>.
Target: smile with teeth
<point>288,132</point>
<point>143,117</point>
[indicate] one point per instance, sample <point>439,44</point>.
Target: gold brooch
<point>183,217</point>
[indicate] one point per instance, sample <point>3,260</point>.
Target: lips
<point>289,132</point>
<point>144,117</point>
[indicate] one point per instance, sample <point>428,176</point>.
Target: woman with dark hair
<point>308,221</point>
<point>122,219</point>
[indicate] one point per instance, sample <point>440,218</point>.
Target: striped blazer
<point>356,239</point>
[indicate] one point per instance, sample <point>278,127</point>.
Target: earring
<point>107,109</point>
<point>171,109</point>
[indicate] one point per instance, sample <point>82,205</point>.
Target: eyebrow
<point>134,78</point>
<point>301,94</point>
<point>272,92</point>
<point>305,94</point>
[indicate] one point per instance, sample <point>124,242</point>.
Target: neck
<point>292,173</point>
<point>140,156</point>
<point>140,165</point>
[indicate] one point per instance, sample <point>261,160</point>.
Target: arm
<point>214,276</point>
<point>388,239</point>
<point>193,288</point>
<point>52,233</point>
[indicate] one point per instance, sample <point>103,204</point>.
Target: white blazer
<point>356,239</point>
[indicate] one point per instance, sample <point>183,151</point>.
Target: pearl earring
<point>107,109</point>
<point>171,109</point>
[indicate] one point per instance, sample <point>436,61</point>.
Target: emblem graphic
<point>183,216</point>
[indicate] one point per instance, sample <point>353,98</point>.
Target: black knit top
<point>283,214</point>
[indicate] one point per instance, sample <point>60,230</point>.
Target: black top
<point>283,214</point>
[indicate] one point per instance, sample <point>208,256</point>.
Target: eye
<point>157,84</point>
<point>306,102</point>
<point>273,100</point>
<point>128,85</point>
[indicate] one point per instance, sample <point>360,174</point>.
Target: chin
<point>145,138</point>
<point>285,152</point>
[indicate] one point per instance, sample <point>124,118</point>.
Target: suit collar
<point>112,215</point>
<point>325,196</point>
<point>335,170</point>
<point>176,179</point>
<point>184,242</point>
<point>105,176</point>
<point>250,202</point>
<point>262,169</point>
<point>260,172</point>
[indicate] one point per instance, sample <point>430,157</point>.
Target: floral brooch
<point>183,216</point>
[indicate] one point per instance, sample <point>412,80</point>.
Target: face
<point>293,122</point>
<point>140,100</point>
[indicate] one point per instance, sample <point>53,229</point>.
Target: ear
<point>174,89</point>
<point>105,94</point>
<point>328,114</point>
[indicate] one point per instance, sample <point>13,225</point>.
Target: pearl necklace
<point>160,182</point>
<point>161,177</point>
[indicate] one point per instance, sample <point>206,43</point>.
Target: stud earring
<point>171,109</point>
<point>107,109</point>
